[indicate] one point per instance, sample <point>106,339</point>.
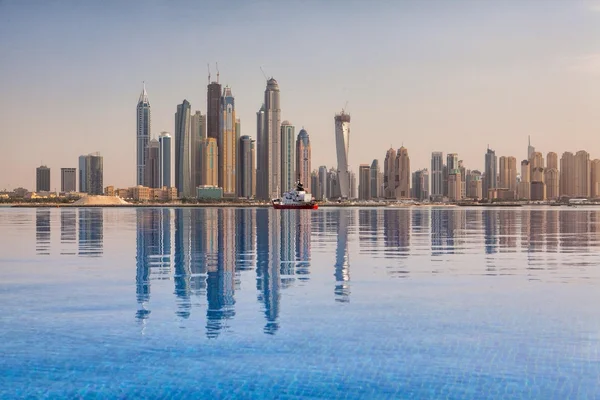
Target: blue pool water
<point>411,303</point>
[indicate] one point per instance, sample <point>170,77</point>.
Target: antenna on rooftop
<point>208,66</point>
<point>263,72</point>
<point>217,64</point>
<point>345,107</point>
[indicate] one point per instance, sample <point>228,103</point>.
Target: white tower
<point>342,143</point>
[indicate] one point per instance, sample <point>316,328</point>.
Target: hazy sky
<point>452,76</point>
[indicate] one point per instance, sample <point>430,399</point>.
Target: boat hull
<point>308,206</point>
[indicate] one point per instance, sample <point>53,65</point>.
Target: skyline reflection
<point>211,254</point>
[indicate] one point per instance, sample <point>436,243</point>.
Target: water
<point>254,303</point>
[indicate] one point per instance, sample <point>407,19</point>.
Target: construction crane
<point>208,66</point>
<point>263,72</point>
<point>217,64</point>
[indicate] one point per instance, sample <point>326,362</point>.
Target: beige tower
<point>228,152</point>
<point>524,185</point>
<point>595,179</point>
<point>551,180</point>
<point>209,162</point>
<point>551,160</point>
<point>508,173</point>
<point>389,175</point>
<point>454,185</point>
<point>567,174</point>
<point>582,174</point>
<point>402,174</point>
<point>538,187</point>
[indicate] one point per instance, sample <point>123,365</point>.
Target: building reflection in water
<point>396,232</point>
<point>42,231</point>
<point>91,231</point>
<point>342,258</point>
<point>288,251</point>
<point>268,251</point>
<point>442,231</point>
<point>303,235</point>
<point>245,238</point>
<point>490,231</point>
<point>68,231</point>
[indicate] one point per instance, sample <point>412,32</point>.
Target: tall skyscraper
<point>389,174</point>
<point>474,185</point>
<point>437,177</point>
<point>68,180</point>
<point>538,187</point>
<point>376,181</point>
<point>402,174</point>
<point>152,173</point>
<point>143,134</point>
<point>567,174</point>
<point>303,155</point>
<point>524,188</point>
<point>42,179</point>
<point>508,173</point>
<point>238,135</point>
<point>247,171</point>
<point>288,157</point>
<point>227,148</point>
<point>197,135</point>
<point>491,173</point>
<point>364,182</point>
<point>551,160</point>
<point>582,174</point>
<point>209,162</point>
<point>269,148</point>
<point>342,144</point>
<point>420,184</point>
<point>595,179</point>
<point>551,177</point>
<point>164,143</point>
<point>323,180</point>
<point>530,148</point>
<point>261,155</point>
<point>183,157</point>
<point>451,161</point>
<point>213,111</point>
<point>91,174</point>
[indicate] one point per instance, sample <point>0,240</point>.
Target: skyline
<point>445,74</point>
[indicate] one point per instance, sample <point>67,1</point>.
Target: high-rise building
<point>91,174</point>
<point>530,148</point>
<point>551,160</point>
<point>323,180</point>
<point>143,135</point>
<point>342,144</point>
<point>68,180</point>
<point>551,178</point>
<point>42,179</point>
<point>288,157</point>
<point>595,179</point>
<point>197,136</point>
<point>247,171</point>
<point>451,161</point>
<point>303,155</point>
<point>209,160</point>
<point>389,174</point>
<point>238,135</point>
<point>269,147</point>
<point>261,155</point>
<point>567,174</point>
<point>463,179</point>
<point>536,166</point>
<point>491,173</point>
<point>508,173</point>
<point>364,182</point>
<point>582,174</point>
<point>437,177</point>
<point>402,174</point>
<point>524,187</point>
<point>183,151</point>
<point>164,145</point>
<point>474,185</point>
<point>454,185</point>
<point>420,184</point>
<point>353,185</point>
<point>376,181</point>
<point>213,110</point>
<point>316,187</point>
<point>152,164</point>
<point>228,146</point>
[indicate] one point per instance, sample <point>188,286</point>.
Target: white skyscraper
<point>269,156</point>
<point>143,135</point>
<point>342,143</point>
<point>288,157</point>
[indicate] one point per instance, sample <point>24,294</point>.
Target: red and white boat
<point>296,199</point>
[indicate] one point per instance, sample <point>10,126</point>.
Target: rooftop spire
<point>144,94</point>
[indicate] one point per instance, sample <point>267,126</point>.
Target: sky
<point>436,75</point>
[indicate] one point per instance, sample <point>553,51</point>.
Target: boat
<point>296,199</point>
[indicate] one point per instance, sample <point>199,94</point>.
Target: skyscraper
<point>288,157</point>
<point>68,180</point>
<point>269,148</point>
<point>227,146</point>
<point>261,155</point>
<point>437,178</point>
<point>209,160</point>
<point>491,173</point>
<point>342,144</point>
<point>91,174</point>
<point>524,188</point>
<point>420,184</point>
<point>389,174</point>
<point>247,172</point>
<point>376,181</point>
<point>538,187</point>
<point>183,156</point>
<point>402,174</point>
<point>508,173</point>
<point>364,182</point>
<point>595,179</point>
<point>164,143</point>
<point>567,174</point>
<point>152,173</point>
<point>530,148</point>
<point>551,160</point>
<point>143,134</point>
<point>197,135</point>
<point>323,179</point>
<point>42,179</point>
<point>213,111</point>
<point>303,159</point>
<point>582,174</point>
